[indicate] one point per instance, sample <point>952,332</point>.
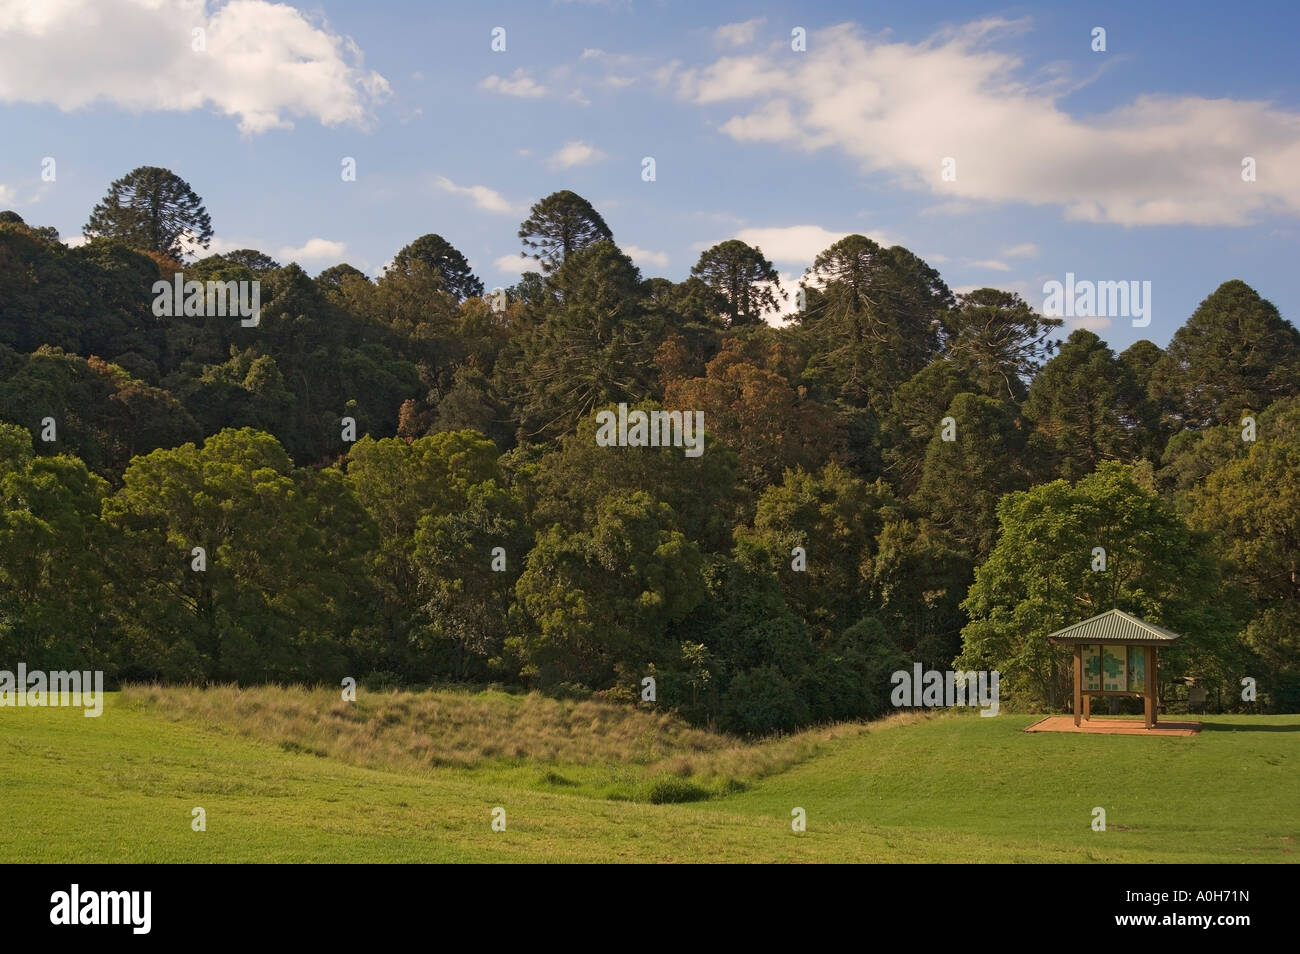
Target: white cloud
<point>519,84</point>
<point>738,34</point>
<point>575,153</point>
<point>991,263</point>
<point>6,193</point>
<point>1092,324</point>
<point>489,200</point>
<point>75,241</point>
<point>315,250</point>
<point>262,62</point>
<point>644,256</point>
<point>1024,250</point>
<point>770,122</point>
<point>515,264</point>
<point>798,244</point>
<point>901,108</point>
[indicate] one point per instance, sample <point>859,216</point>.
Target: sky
<point>995,141</point>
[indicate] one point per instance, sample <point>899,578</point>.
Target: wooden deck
<point>1096,726</point>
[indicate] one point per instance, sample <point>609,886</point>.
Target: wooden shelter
<point>1114,655</point>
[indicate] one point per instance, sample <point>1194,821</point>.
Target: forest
<point>399,479</point>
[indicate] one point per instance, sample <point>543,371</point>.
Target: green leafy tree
<point>1040,578</point>
<point>591,350</point>
<point>54,613</point>
<point>914,408</point>
<point>559,225</point>
<point>468,562</point>
<point>964,478</point>
<point>1252,507</point>
<point>746,281</point>
<point>283,583</point>
<point>603,604</point>
<point>152,209</point>
<point>565,485</point>
<point>1234,353</point>
<point>835,518</point>
<point>1084,407</point>
<point>443,257</point>
<point>998,342</point>
<point>411,490</point>
<point>875,315</point>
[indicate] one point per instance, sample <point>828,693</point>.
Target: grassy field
<point>297,775</point>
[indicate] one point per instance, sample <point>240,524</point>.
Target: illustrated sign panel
<point>1137,669</point>
<point>1114,668</point>
<point>1091,667</point>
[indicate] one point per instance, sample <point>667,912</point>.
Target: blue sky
<point>1115,165</point>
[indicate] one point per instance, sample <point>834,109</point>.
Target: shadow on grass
<point>1247,727</point>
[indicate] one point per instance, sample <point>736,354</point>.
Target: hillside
<point>943,788</point>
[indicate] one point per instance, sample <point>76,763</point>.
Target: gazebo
<point>1114,655</point>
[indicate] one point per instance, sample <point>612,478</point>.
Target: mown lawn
<point>955,788</point>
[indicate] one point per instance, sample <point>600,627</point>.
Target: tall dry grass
<point>421,731</point>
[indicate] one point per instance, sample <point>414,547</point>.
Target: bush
<point>762,701</point>
<point>670,789</point>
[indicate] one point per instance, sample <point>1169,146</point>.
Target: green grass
<point>953,788</point>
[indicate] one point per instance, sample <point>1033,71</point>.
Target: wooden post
<point>1149,696</point>
<point>1078,682</point>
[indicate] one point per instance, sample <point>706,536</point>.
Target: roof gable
<point>1113,626</point>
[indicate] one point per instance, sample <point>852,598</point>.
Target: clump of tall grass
<point>464,728</point>
<point>403,730</point>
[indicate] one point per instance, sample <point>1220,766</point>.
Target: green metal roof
<point>1113,626</point>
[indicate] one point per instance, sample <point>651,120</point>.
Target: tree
<point>769,424</point>
<point>559,225</point>
<point>1084,406</point>
<point>913,410</point>
<point>440,255</point>
<point>252,259</point>
<point>747,282</point>
<point>413,492</point>
<point>1252,506</point>
<point>466,592</point>
<point>601,605</point>
<point>835,518</point>
<point>998,341</point>
<point>282,585</point>
<point>591,350</point>
<point>1235,353</point>
<point>874,315</point>
<point>1141,358</point>
<point>53,549</point>
<point>963,478</point>
<point>918,580</point>
<point>1043,575</point>
<point>566,485</point>
<point>103,414</point>
<point>154,210</point>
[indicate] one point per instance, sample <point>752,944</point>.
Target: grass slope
<point>948,788</point>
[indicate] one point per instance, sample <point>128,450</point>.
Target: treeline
<point>900,475</point>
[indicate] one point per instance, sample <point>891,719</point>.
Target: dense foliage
<point>399,478</point>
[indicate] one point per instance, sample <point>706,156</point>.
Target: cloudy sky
<point>1117,165</point>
